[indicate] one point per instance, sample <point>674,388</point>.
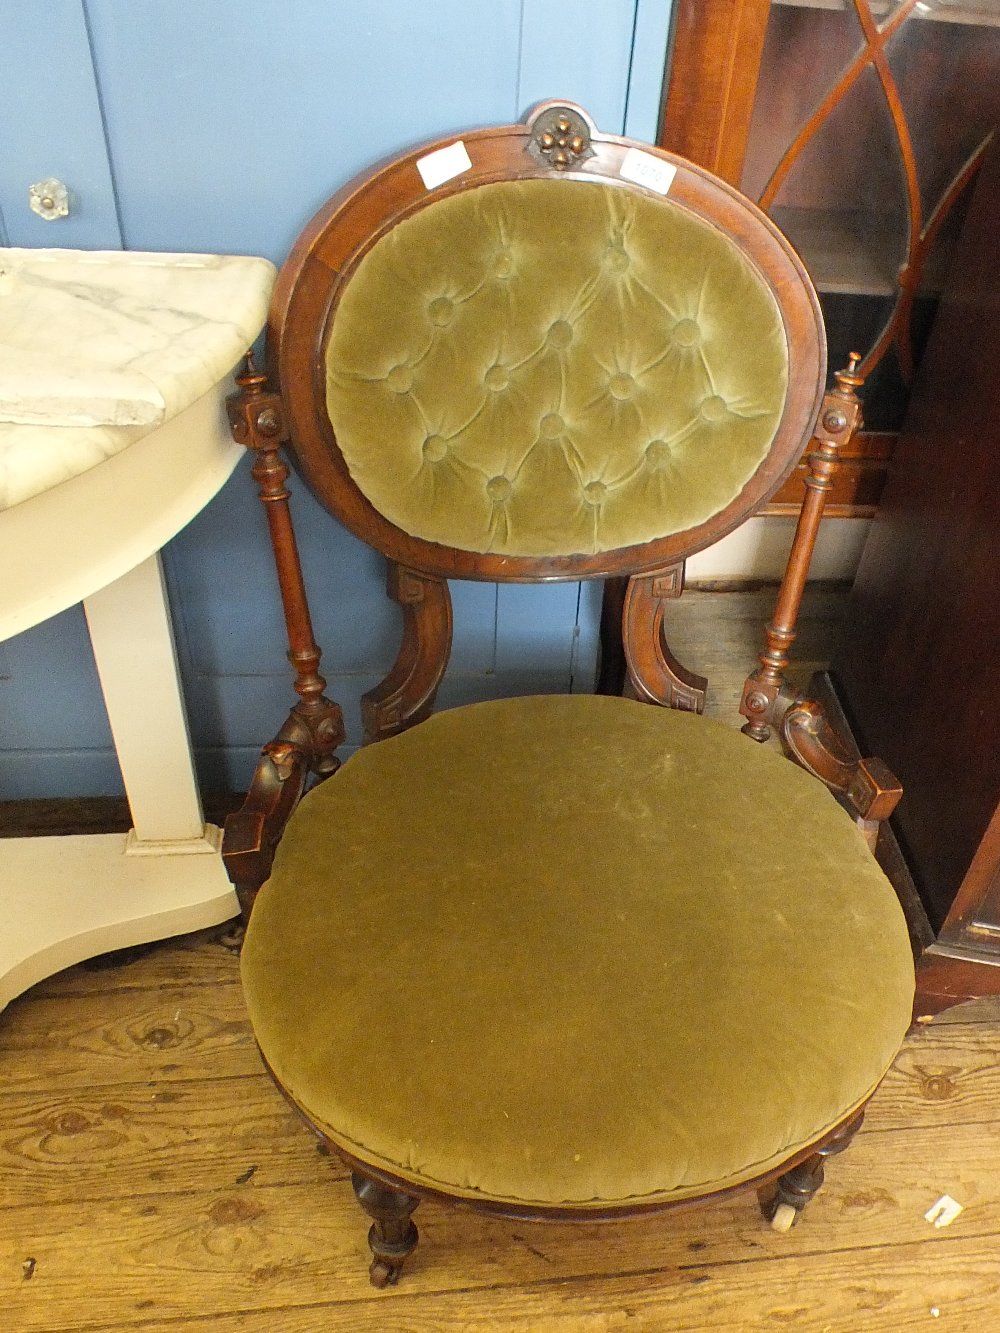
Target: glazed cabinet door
<point>859,126</point>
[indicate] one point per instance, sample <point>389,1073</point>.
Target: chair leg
<point>782,1201</point>
<point>393,1234</point>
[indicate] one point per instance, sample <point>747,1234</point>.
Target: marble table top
<point>100,347</point>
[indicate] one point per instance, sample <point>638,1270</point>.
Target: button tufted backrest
<point>545,367</point>
<point>535,372</point>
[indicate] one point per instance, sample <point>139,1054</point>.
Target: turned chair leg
<point>393,1234</point>
<point>782,1201</point>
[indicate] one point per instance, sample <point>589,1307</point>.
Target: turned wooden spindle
<point>257,421</point>
<point>314,728</point>
<point>765,694</point>
<point>866,786</point>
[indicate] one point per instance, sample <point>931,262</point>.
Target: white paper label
<point>944,1211</point>
<point>645,169</point>
<point>443,165</point>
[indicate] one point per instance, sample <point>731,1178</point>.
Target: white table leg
<point>66,899</point>
<point>133,644</point>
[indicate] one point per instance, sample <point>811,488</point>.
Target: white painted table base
<point>69,898</point>
<point>90,528</point>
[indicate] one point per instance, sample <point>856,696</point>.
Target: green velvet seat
<point>608,977</point>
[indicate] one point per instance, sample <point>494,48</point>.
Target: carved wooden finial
<point>250,378</point>
<point>849,380</point>
<point>841,407</point>
<point>560,136</point>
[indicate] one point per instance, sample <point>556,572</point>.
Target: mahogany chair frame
<point>284,408</point>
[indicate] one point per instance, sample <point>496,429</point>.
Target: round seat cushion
<point>575,951</point>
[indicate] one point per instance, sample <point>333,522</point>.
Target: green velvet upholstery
<point>550,367</point>
<point>575,951</point>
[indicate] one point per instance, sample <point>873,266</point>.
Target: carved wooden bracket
<point>407,694</point>
<point>654,674</point>
<point>252,833</point>
<point>866,785</point>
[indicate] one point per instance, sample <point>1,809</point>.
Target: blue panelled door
<point>222,127</point>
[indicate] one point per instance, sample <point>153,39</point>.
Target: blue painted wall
<point>222,127</point>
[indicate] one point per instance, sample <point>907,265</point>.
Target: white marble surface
<point>101,347</point>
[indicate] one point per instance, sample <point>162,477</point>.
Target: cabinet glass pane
<point>805,53</point>
<point>984,13</point>
<point>948,11</point>
<point>948,77</point>
<point>867,115</point>
<point>843,202</point>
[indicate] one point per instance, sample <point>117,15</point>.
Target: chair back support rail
<point>549,218</point>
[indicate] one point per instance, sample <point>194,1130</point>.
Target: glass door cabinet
<point>859,126</point>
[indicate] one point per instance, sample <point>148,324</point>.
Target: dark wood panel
<point>918,666</point>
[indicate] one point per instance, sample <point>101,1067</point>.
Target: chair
<point>569,957</point>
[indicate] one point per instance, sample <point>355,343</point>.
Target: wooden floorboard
<point>152,1178</point>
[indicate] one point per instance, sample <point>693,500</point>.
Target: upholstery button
<point>616,258</point>
<point>621,385</point>
<point>686,333</point>
<point>503,265</point>
<point>435,448</point>
<point>595,492</point>
<point>551,426</point>
<point>400,379</point>
<point>496,378</point>
<point>441,311</point>
<point>713,408</point>
<point>560,334</point>
<point>657,453</point>
<point>498,489</point>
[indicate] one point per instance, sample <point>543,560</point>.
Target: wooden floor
<point>151,1178</point>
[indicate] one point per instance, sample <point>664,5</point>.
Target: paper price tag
<point>444,164</point>
<point>944,1211</point>
<point>645,169</point>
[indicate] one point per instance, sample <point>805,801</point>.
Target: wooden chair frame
<point>285,408</point>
